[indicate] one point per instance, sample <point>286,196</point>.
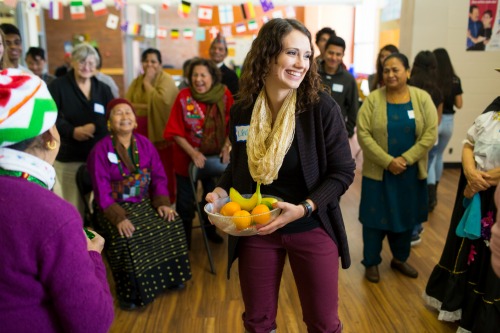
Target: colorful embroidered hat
<point>115,102</point>
<point>26,107</point>
<point>219,39</point>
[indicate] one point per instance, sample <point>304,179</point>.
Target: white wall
<point>429,24</point>
<point>338,17</point>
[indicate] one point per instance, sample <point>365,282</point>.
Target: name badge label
<point>242,133</point>
<point>98,108</point>
<point>112,158</point>
<point>338,87</point>
<point>411,114</point>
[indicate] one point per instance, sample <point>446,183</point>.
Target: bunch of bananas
<point>246,203</point>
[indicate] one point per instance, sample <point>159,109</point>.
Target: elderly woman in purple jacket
<point>288,135</point>
<point>146,240</point>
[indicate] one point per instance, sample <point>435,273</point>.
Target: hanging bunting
<point>252,25</point>
<point>226,15</point>
<point>290,12</point>
<point>133,29</point>
<point>161,32</point>
<point>200,34</point>
<point>99,7</point>
<point>56,10</point>
<point>33,6</point>
<point>277,14</point>
<point>205,14</point>
<point>77,10</point>
<point>187,33</point>
<point>267,5</point>
<point>227,30</point>
<point>119,4</point>
<point>149,31</point>
<point>184,9</point>
<point>213,32</point>
<point>124,26</point>
<point>241,28</point>
<point>248,10</point>
<point>112,21</point>
<point>174,34</point>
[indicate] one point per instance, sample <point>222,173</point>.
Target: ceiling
<point>45,3</point>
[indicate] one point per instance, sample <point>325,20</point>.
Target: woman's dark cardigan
<point>326,161</point>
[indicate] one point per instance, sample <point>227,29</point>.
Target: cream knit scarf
<point>267,145</point>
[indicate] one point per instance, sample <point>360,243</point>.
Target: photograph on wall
<point>483,28</point>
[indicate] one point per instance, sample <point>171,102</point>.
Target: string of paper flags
<point>184,8</point>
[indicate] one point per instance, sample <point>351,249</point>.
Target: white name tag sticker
<point>242,133</point>
<point>112,158</point>
<point>411,114</point>
<point>338,87</point>
<point>98,108</point>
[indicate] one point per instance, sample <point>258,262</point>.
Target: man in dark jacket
<point>340,83</point>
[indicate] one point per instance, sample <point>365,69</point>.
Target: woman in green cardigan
<point>397,126</point>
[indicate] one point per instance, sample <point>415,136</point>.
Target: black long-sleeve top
<point>230,79</point>
<point>74,110</point>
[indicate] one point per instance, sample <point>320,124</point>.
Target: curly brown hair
<point>265,51</point>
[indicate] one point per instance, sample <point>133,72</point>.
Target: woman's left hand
<point>225,153</point>
<point>289,213</point>
<point>397,165</point>
<point>167,213</point>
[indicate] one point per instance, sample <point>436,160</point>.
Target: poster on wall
<point>483,28</point>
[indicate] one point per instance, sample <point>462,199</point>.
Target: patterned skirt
<point>154,259</point>
<point>463,286</point>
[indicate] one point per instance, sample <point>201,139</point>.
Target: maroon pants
<point>314,261</point>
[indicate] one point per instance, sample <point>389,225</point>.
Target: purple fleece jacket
<point>49,281</point>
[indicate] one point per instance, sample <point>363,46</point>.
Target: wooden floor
<point>212,304</point>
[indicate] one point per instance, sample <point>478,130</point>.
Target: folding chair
<point>193,177</point>
<point>84,185</point>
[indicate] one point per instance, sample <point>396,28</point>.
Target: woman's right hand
<point>198,159</point>
<point>84,133</point>
<point>96,243</point>
<point>216,194</point>
<point>397,165</point>
<point>149,75</point>
<point>125,228</point>
<point>477,180</point>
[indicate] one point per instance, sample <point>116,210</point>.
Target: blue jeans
<point>435,167</point>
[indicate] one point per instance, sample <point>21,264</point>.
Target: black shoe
<point>371,274</point>
<point>128,306</point>
<point>404,268</point>
<point>176,287</point>
<point>214,237</point>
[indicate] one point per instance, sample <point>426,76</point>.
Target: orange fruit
<point>242,219</point>
<point>264,210</point>
<point>230,208</point>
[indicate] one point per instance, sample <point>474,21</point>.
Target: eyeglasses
<point>89,64</point>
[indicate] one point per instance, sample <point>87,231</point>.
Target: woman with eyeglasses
<point>81,100</point>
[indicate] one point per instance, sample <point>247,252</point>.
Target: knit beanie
<point>26,107</point>
<point>115,102</point>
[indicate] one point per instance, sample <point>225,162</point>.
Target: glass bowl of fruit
<point>239,216</point>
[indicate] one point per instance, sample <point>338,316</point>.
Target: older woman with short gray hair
<point>81,100</point>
